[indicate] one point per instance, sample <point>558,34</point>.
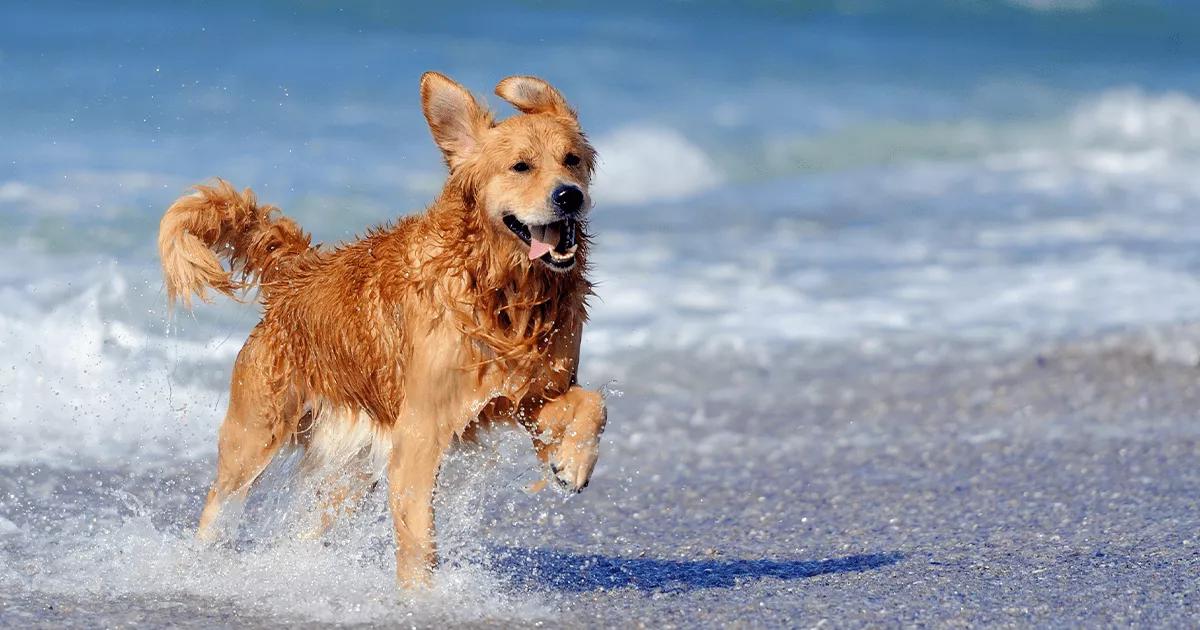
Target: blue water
<point>777,180</point>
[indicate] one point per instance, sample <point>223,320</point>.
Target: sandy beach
<point>1054,486</point>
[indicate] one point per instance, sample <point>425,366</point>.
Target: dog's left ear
<point>456,119</point>
<point>532,95</point>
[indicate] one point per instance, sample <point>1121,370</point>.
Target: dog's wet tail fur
<point>259,243</point>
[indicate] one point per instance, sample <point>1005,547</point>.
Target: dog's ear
<point>532,95</point>
<point>456,119</point>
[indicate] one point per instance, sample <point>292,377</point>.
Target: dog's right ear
<point>532,95</point>
<point>454,116</point>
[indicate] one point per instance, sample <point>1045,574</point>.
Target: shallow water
<point>891,311</point>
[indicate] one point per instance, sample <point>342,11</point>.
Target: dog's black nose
<point>568,199</point>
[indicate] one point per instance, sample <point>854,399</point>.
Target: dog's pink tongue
<point>537,249</point>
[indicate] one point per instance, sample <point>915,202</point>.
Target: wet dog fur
<point>379,354</point>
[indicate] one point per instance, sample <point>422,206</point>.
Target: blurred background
<point>798,206</point>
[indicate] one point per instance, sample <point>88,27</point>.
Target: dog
<point>382,353</point>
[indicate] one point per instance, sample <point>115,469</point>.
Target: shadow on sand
<point>565,571</point>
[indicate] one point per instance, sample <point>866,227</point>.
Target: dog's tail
<point>259,244</point>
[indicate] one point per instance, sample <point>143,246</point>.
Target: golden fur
<point>414,335</point>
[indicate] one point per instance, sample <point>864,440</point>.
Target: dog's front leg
<point>567,435</point>
<point>412,473</point>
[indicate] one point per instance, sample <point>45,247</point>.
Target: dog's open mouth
<point>553,243</point>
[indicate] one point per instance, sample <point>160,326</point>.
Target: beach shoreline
<point>971,491</point>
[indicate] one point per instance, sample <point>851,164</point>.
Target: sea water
<point>796,188</point>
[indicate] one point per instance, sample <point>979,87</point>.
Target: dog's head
<point>529,174</point>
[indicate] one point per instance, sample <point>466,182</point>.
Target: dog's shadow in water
<point>565,571</point>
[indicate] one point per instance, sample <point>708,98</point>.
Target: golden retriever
<point>390,348</point>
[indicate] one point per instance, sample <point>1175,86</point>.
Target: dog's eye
<point>571,160</point>
<point>521,167</point>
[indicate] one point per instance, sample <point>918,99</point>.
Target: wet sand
<point>1058,485</point>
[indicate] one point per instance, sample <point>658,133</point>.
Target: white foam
<point>82,385</point>
<point>351,582</point>
<point>84,381</point>
<point>1131,117</point>
<point>938,299</point>
<point>347,577</point>
<point>645,163</point>
<point>78,386</point>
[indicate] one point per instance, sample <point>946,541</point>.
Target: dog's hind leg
<point>412,474</point>
<point>340,494</point>
<point>260,420</point>
<point>344,457</point>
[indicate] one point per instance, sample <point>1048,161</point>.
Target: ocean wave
<point>80,385</point>
<point>86,378</point>
<point>1117,130</point>
<point>1132,118</point>
<point>644,163</point>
